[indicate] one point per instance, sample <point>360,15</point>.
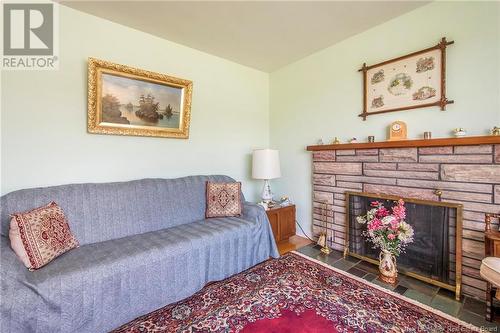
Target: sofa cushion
<point>223,199</point>
<point>40,235</point>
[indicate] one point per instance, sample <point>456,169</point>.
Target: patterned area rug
<point>295,294</point>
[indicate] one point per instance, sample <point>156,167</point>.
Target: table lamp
<point>266,166</point>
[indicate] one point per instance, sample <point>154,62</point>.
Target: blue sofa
<point>143,244</point>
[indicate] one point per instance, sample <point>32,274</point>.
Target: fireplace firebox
<point>435,256</point>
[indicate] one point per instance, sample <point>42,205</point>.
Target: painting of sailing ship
<point>136,102</point>
<point>125,100</point>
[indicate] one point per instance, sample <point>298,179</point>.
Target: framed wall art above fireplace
<point>415,80</point>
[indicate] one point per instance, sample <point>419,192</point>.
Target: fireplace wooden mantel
<point>439,142</point>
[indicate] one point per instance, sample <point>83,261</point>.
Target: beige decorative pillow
<point>223,199</point>
<point>40,235</point>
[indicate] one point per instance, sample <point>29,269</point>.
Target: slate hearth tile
<point>446,305</point>
<point>352,259</point>
<point>343,264</point>
<point>321,257</point>
<point>367,267</point>
<point>356,272</point>
<point>370,277</point>
<point>332,260</point>
<point>418,296</point>
<point>446,293</point>
<point>329,259</point>
<point>479,321</point>
<point>334,256</point>
<point>309,250</point>
<point>418,285</point>
<point>475,306</point>
<point>382,284</point>
<point>400,289</point>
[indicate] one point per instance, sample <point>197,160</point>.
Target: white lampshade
<point>265,164</point>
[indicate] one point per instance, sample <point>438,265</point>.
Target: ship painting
<point>169,111</point>
<point>148,109</point>
<point>140,103</point>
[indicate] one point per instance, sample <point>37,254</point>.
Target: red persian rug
<point>295,294</point>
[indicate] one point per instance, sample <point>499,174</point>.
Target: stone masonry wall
<point>469,175</point>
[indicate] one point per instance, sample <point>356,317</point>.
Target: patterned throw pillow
<point>40,235</point>
<point>223,199</point>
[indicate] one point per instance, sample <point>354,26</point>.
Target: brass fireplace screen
<point>435,256</point>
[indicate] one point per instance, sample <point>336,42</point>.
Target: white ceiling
<point>261,34</point>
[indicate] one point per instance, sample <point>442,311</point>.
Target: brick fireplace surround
<point>466,174</point>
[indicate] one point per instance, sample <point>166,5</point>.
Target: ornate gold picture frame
<point>123,100</point>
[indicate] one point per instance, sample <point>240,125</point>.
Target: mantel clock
<point>398,131</point>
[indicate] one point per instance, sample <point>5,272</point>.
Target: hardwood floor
<point>293,243</point>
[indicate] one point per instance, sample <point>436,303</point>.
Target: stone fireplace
<point>463,171</point>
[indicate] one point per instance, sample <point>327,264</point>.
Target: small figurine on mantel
<point>459,132</point>
<point>353,140</point>
<point>495,131</point>
<point>320,142</point>
<point>336,141</point>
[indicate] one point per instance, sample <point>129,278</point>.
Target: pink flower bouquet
<point>387,231</point>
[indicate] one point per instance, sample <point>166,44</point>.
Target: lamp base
<point>267,195</point>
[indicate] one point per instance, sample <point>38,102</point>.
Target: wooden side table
<point>282,221</point>
<point>492,243</point>
<point>491,249</point>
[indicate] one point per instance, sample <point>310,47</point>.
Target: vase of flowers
<point>388,231</point>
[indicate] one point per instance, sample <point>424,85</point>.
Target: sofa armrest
<point>254,212</point>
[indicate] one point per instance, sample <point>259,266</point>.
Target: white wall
<point>320,96</point>
<point>43,121</point>
<point>44,125</point>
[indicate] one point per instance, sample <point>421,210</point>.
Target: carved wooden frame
<point>441,103</point>
<point>94,122</point>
